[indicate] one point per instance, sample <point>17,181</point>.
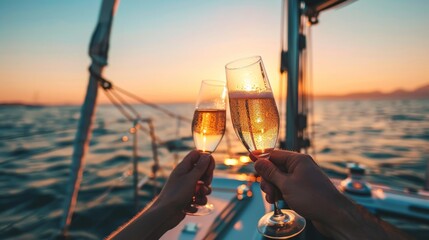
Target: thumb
<point>269,171</point>
<point>200,167</point>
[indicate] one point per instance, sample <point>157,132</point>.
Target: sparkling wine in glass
<point>208,127</point>
<point>255,119</point>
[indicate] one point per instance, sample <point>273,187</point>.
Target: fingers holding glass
<point>255,119</point>
<point>208,128</point>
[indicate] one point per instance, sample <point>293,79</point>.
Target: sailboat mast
<point>294,16</point>
<point>98,50</point>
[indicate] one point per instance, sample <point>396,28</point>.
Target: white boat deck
<point>242,224</point>
<point>237,219</point>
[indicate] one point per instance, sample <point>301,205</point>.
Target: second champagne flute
<point>208,127</point>
<point>255,119</point>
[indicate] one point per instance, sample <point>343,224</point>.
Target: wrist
<point>353,221</point>
<point>344,220</point>
<point>167,208</point>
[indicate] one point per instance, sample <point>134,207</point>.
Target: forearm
<point>150,223</point>
<point>355,222</point>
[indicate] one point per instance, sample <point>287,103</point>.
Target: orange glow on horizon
<point>68,84</point>
<point>164,63</point>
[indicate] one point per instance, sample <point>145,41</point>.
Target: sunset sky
<point>161,50</point>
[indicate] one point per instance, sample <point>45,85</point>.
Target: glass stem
<point>277,211</point>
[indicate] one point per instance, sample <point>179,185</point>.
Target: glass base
<point>281,227</point>
<point>198,210</point>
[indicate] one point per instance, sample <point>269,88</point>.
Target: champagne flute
<point>208,128</point>
<point>255,119</point>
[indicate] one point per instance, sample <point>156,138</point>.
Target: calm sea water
<point>391,138</point>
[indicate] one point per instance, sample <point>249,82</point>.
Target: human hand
<point>308,191</point>
<point>167,209</point>
<point>302,184</point>
<point>191,178</point>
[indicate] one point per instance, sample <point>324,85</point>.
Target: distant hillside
<point>418,93</point>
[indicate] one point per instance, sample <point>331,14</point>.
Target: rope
<point>107,85</point>
<point>108,89</point>
<point>122,110</point>
<point>137,115</point>
<point>118,106</point>
<point>169,113</point>
<point>126,104</point>
<point>129,117</point>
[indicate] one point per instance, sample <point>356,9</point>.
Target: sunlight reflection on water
<point>390,137</point>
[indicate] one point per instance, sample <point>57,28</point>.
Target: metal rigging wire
<point>310,90</point>
<point>131,109</point>
<point>118,106</point>
<point>107,85</point>
<point>302,81</point>
<point>125,103</point>
<point>169,113</point>
<point>282,73</point>
<point>306,94</point>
